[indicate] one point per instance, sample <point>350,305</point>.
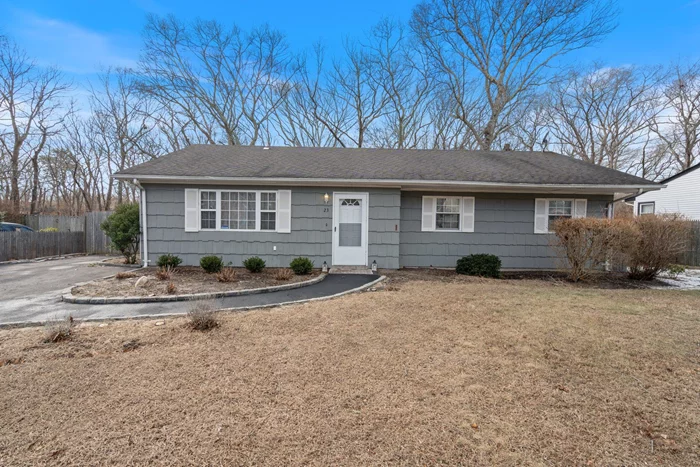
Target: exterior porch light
<point>326,198</point>
<point>374,266</point>
<point>324,268</point>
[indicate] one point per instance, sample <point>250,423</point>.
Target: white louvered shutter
<point>428,222</point>
<point>580,207</point>
<point>284,211</point>
<point>541,216</point>
<point>191,210</point>
<point>468,214</point>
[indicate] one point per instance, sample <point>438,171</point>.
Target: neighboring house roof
<point>681,173</point>
<point>386,165</point>
<point>669,179</point>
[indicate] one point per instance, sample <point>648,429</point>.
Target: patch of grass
<point>170,289</point>
<point>283,274</point>
<point>227,274</point>
<point>202,317</point>
<point>58,330</point>
<point>124,275</point>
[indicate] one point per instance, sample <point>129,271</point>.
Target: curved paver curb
<point>70,298</point>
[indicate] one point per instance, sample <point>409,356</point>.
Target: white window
<point>268,210</point>
<point>243,210</point>
<point>646,208</point>
<point>207,210</point>
<point>559,209</point>
<point>238,210</point>
<point>447,213</point>
<point>548,211</point>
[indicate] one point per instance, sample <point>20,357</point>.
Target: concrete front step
<point>350,270</point>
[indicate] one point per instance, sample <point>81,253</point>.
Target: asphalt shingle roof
<point>381,164</point>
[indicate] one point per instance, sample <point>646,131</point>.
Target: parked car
<point>12,227</point>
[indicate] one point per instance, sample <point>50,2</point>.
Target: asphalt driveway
<point>31,292</point>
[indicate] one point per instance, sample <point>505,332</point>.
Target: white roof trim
<point>419,185</point>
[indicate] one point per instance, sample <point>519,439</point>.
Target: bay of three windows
<point>238,210</point>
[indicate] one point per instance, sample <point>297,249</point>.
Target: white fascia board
<point>407,185</point>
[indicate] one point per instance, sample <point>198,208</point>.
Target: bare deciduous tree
<point>31,112</point>
<point>678,126</point>
<point>602,115</point>
<point>223,83</point>
<point>492,56</point>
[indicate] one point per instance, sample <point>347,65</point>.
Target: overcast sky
<point>81,36</point>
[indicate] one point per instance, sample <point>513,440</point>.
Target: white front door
<point>350,222</point>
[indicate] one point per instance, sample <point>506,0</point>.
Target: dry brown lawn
<point>476,372</point>
<point>186,279</point>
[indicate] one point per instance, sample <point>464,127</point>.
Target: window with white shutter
<point>549,210</point>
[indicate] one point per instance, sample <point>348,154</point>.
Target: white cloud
<point>71,47</point>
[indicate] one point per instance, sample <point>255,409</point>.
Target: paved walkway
<point>31,292</point>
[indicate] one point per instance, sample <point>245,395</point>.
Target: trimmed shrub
<point>651,244</point>
<point>483,265</point>
<point>254,264</point>
<point>168,260</point>
<point>584,243</point>
<point>124,230</point>
<point>226,275</point>
<point>301,266</point>
<point>283,274</point>
<point>211,264</point>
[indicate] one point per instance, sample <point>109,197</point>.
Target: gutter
<point>393,183</point>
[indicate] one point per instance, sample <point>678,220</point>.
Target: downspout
<point>144,224</point>
<point>610,206</point>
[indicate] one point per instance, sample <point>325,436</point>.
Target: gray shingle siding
<point>311,234</point>
<point>503,226</point>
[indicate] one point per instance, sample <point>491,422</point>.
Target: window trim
<point>459,213</point>
<point>646,203</point>
<point>218,210</point>
<point>428,208</point>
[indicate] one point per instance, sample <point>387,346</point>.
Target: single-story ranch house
<point>400,208</point>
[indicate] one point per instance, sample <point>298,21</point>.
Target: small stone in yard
<point>160,323</point>
<point>143,281</point>
<point>475,426</point>
<point>103,325</point>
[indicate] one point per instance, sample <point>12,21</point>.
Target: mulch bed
<point>187,280</point>
<point>612,280</point>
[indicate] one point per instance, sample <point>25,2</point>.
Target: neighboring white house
<point>681,195</point>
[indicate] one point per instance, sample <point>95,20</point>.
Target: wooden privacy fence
<point>692,255</point>
<point>62,223</point>
<point>96,242</point>
<point>30,245</point>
